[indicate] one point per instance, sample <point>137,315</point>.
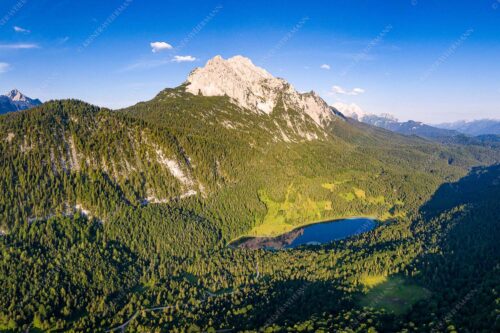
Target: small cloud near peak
<point>21,30</point>
<point>350,110</point>
<point>19,46</point>
<point>341,91</point>
<point>160,46</point>
<point>187,58</point>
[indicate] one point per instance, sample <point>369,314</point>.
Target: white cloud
<point>187,58</point>
<point>4,67</point>
<point>338,90</point>
<point>160,46</point>
<point>341,91</point>
<point>350,110</point>
<point>22,30</point>
<point>325,66</point>
<point>358,91</point>
<point>153,63</point>
<point>18,46</point>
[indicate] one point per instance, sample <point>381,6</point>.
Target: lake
<point>314,234</point>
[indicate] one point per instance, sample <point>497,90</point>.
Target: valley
<point>122,218</point>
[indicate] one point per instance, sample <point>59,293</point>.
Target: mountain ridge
<point>254,88</point>
<point>457,132</point>
<point>14,100</point>
<point>473,127</point>
<point>389,122</point>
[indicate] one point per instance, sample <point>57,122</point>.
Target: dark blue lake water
<point>315,234</point>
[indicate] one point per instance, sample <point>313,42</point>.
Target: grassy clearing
<point>328,186</point>
<point>359,193</point>
<point>394,295</point>
<point>296,210</point>
<point>380,200</point>
<point>371,281</point>
<point>348,196</point>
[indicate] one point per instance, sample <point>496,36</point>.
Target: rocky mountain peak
<point>16,95</point>
<point>14,100</point>
<point>254,88</point>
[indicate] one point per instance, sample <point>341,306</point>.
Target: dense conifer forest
<point>121,219</point>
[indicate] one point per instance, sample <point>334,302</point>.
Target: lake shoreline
<point>240,240</point>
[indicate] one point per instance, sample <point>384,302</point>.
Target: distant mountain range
<point>262,97</point>
<point>457,132</point>
<point>475,127</point>
<point>16,101</point>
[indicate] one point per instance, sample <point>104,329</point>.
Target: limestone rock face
<point>254,88</point>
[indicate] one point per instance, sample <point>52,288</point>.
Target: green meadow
<point>393,294</point>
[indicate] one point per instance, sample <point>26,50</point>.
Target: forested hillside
<point>108,216</point>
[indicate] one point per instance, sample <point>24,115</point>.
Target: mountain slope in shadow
<point>462,271</point>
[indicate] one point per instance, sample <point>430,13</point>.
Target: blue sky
<point>428,60</point>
